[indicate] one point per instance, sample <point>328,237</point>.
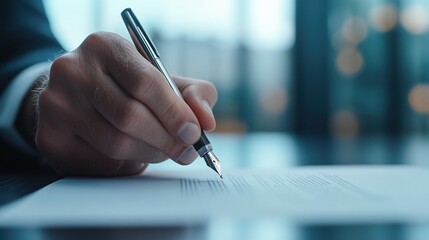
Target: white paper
<point>304,194</point>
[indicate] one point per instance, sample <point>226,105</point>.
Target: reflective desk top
<point>252,151</point>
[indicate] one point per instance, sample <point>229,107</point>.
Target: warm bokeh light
<point>419,98</point>
<point>354,30</point>
<point>415,19</point>
<point>384,17</point>
<point>349,61</point>
<point>273,101</point>
<point>344,124</point>
<point>230,125</point>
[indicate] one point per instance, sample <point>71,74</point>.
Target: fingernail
<point>188,156</point>
<point>207,107</point>
<point>189,133</point>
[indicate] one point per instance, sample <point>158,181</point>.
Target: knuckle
<point>95,40</point>
<point>118,146</point>
<point>172,113</point>
<point>147,84</point>
<point>209,90</point>
<point>127,118</point>
<point>202,88</point>
<point>207,85</point>
<point>104,42</point>
<point>93,52</point>
<point>61,66</point>
<point>171,109</point>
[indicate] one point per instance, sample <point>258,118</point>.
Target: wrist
<point>16,113</point>
<point>26,122</point>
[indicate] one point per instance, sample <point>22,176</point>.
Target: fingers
<point>107,110</point>
<point>201,96</point>
<point>69,155</point>
<point>75,157</point>
<point>97,132</point>
<point>144,82</point>
<point>132,118</point>
<point>109,120</point>
<point>136,132</point>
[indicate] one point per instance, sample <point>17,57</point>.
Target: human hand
<point>107,111</point>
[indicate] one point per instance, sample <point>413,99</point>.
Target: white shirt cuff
<point>10,103</point>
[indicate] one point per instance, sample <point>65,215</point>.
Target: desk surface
<point>259,150</point>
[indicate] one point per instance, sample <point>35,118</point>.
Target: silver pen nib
<point>213,162</point>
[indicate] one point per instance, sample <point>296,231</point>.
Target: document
<point>334,194</point>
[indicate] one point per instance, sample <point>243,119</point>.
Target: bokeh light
<point>354,30</point>
<point>349,61</point>
<point>344,124</point>
<point>419,98</point>
<point>231,125</point>
<point>274,101</point>
<point>415,19</point>
<point>384,17</point>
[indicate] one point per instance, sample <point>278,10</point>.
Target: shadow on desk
<point>247,230</point>
<point>105,233</point>
<point>15,186</point>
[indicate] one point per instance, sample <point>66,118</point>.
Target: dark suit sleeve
<point>25,37</point>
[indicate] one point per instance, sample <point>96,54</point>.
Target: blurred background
<point>333,68</point>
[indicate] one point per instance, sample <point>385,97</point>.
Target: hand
<point>107,111</point>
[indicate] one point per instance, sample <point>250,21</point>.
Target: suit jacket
<point>25,39</point>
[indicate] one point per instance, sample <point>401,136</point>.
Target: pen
<point>146,47</point>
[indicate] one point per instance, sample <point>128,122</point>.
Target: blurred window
<point>338,68</point>
<point>243,47</point>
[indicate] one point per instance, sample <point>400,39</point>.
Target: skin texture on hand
<point>107,111</point>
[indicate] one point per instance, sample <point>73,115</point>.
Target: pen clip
<point>144,41</point>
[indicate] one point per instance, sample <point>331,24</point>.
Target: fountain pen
<point>146,47</point>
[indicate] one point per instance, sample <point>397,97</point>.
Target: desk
<point>258,150</point>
